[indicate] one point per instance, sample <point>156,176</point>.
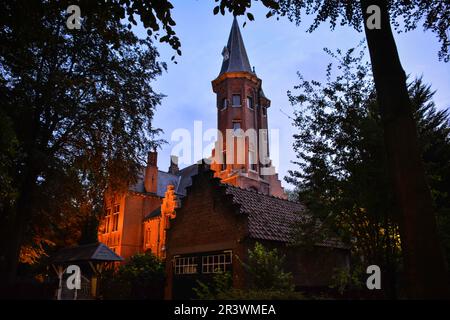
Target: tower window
<point>250,102</point>
<point>224,103</point>
<point>224,161</point>
<point>252,157</point>
<point>236,100</point>
<point>264,111</point>
<point>236,126</point>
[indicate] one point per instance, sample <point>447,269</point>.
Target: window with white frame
<point>216,263</point>
<point>224,103</point>
<point>185,265</point>
<point>236,100</point>
<point>250,102</point>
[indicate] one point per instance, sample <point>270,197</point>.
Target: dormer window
<point>250,102</point>
<point>236,100</point>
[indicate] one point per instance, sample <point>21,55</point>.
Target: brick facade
<point>225,227</point>
<point>203,216</point>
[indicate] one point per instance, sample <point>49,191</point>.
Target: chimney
<point>173,169</point>
<point>151,172</point>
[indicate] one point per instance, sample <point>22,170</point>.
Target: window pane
<point>236,100</point>
<point>185,265</point>
<point>107,225</point>
<point>250,102</point>
<point>224,103</point>
<point>216,263</point>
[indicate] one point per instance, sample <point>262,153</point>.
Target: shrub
<point>140,278</point>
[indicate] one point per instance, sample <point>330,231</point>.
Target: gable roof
<point>185,181</point>
<point>235,55</point>
<point>89,252</point>
<point>272,218</point>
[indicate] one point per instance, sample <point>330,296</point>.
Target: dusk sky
<point>277,50</point>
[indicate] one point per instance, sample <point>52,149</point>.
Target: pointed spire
<point>234,55</point>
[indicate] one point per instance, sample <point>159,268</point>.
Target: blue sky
<point>277,49</point>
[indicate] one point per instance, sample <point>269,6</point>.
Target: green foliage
<point>140,278</point>
<point>405,15</point>
<point>142,268</point>
<point>221,285</point>
<point>221,289</point>
<point>156,16</point>
<point>265,270</point>
<point>266,280</point>
<point>343,280</point>
<point>343,176</point>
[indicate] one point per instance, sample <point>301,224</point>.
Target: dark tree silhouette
<point>76,111</point>
<point>342,169</point>
<point>423,258</point>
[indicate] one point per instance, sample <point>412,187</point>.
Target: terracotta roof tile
<point>269,218</point>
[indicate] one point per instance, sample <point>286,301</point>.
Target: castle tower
<point>241,154</point>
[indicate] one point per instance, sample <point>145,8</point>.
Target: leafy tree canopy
<point>76,117</point>
<point>342,173</point>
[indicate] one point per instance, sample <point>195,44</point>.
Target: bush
<point>141,278</point>
<point>265,270</point>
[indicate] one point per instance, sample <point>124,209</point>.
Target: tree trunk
<point>424,261</point>
<point>17,227</point>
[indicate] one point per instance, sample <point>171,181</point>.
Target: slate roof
<point>91,252</point>
<point>235,55</point>
<point>154,213</point>
<point>181,181</point>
